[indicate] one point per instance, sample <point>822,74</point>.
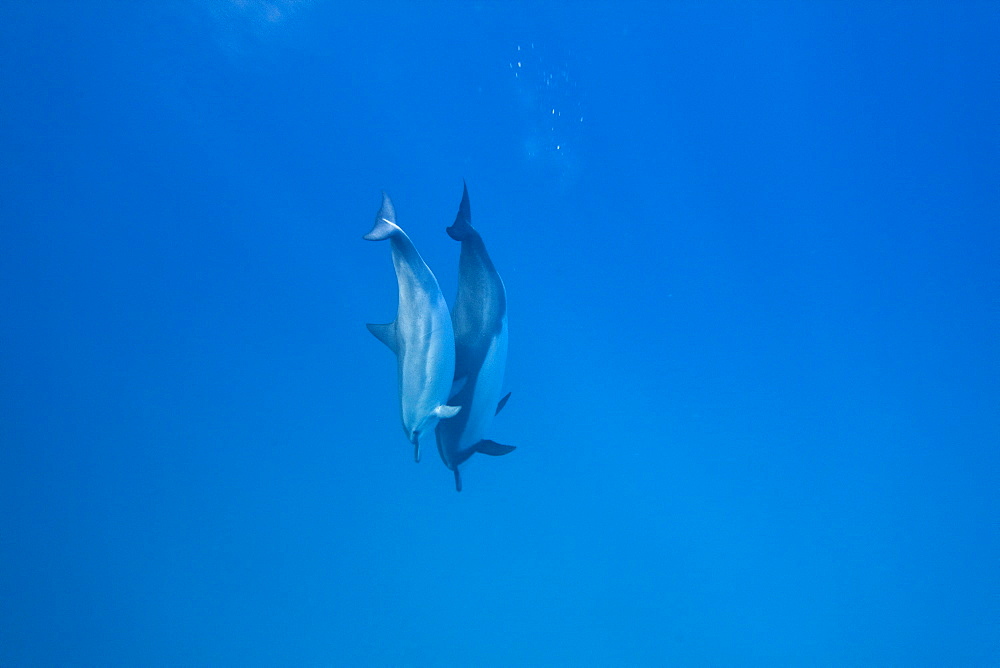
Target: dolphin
<point>421,336</point>
<point>479,318</point>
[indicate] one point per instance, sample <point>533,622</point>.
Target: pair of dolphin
<point>450,366</point>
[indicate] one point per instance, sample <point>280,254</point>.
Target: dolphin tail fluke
<point>494,449</point>
<point>445,412</point>
<point>385,333</point>
<point>385,221</point>
<point>458,481</point>
<point>462,226</point>
<point>500,404</point>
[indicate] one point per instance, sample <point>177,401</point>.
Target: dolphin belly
<point>424,380</point>
<point>486,392</point>
<point>462,437</point>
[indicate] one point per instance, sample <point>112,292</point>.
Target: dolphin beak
<point>415,439</point>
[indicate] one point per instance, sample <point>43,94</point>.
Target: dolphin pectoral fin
<point>456,386</point>
<point>458,481</point>
<point>444,412</point>
<point>503,402</point>
<point>493,449</point>
<point>416,448</point>
<point>385,333</point>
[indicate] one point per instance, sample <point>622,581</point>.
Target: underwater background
<point>752,260</point>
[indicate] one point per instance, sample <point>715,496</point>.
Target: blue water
<point>752,258</point>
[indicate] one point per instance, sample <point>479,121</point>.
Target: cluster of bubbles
<point>551,113</point>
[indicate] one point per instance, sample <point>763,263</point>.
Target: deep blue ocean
<point>752,260</point>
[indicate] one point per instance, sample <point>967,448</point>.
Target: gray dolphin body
<point>479,318</point>
<point>421,336</point>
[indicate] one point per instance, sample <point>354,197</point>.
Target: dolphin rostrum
<point>480,324</point>
<point>421,336</point>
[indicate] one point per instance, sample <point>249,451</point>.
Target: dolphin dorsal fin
<point>493,449</point>
<point>502,403</point>
<point>386,334</point>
